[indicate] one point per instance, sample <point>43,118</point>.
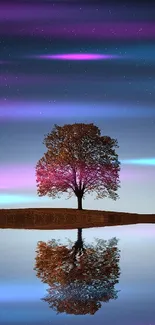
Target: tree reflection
<point>80,276</point>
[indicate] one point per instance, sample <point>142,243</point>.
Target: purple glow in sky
<point>85,30</point>
<point>5,62</point>
<point>18,184</point>
<point>26,110</point>
<point>77,56</point>
<point>20,176</point>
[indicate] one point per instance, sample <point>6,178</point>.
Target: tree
<point>78,283</point>
<point>78,161</point>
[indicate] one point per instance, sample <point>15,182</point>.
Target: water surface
<point>21,290</point>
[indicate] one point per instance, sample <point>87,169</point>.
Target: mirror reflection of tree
<point>80,276</point>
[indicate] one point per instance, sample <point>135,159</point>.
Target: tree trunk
<point>79,202</point>
<point>79,235</point>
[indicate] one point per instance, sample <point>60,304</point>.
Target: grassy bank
<point>44,218</point>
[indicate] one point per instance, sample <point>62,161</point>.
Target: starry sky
<point>71,61</point>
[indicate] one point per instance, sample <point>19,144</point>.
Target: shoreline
<point>67,218</point>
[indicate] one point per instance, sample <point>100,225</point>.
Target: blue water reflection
<point>21,291</point>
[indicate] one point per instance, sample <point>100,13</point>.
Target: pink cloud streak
<point>78,56</point>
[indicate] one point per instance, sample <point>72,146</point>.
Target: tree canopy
<point>78,288</point>
<point>78,161</point>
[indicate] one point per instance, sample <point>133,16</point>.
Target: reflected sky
<point>21,290</point>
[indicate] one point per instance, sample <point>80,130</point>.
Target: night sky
<point>66,62</point>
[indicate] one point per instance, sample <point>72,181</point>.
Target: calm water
<point>21,290</point>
